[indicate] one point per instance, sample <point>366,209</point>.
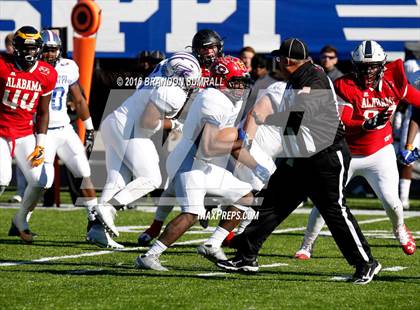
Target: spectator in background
<point>246,54</point>
<point>261,75</point>
<point>328,62</point>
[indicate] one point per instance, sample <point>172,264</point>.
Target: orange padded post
<point>85,19</point>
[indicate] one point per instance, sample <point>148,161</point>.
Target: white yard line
<point>188,242</point>
<point>212,274</point>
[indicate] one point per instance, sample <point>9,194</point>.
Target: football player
<point>207,45</point>
<point>62,139</point>
<point>370,95</point>
<point>127,133</point>
<point>26,85</point>
<point>196,166</point>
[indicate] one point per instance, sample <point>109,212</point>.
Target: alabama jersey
<point>20,92</point>
<point>209,106</point>
<point>68,74</point>
<point>362,104</point>
<point>168,99</point>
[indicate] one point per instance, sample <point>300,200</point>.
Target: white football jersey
<point>209,106</point>
<point>168,99</point>
<point>68,74</point>
<point>269,137</point>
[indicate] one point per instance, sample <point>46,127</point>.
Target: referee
<point>314,164</point>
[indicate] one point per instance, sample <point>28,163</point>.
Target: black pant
<point>322,178</point>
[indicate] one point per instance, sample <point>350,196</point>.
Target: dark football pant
<point>322,178</point>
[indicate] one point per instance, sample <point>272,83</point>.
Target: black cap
<point>292,48</point>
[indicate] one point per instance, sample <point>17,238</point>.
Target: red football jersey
<point>20,92</point>
<point>361,104</point>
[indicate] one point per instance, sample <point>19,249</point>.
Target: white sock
<point>404,189</point>
<point>315,224</point>
<point>157,248</point>
<point>90,203</point>
<point>216,239</point>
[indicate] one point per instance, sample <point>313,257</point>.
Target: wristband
<point>409,147</point>
<point>157,128</point>
<point>40,139</point>
<point>88,123</point>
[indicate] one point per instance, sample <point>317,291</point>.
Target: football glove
<point>378,120</point>
<point>37,156</point>
<point>243,135</point>
<point>89,141</point>
<point>262,173</point>
<point>177,125</point>
<point>407,157</point>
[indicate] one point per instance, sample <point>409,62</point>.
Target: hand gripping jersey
<point>360,105</point>
<point>20,92</point>
<point>210,106</point>
<point>168,99</point>
<point>68,74</point>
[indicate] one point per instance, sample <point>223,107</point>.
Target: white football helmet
<point>369,61</point>
<point>184,66</point>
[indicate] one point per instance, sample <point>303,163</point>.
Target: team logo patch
<point>44,70</point>
<point>221,69</point>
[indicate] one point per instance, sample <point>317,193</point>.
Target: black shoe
<point>365,273</point>
<point>26,236</point>
<point>238,263</point>
<point>13,230</point>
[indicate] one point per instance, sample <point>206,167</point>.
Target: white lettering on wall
<point>185,16</point>
<point>262,23</point>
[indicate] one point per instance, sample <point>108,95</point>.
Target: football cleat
<point>26,235</point>
<point>365,273</point>
<point>406,240</point>
<point>239,263</point>
<point>106,214</point>
<point>213,254</point>
<point>15,199</point>
<point>99,236</point>
<point>303,254</point>
<point>149,262</point>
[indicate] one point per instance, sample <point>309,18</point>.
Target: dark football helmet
<point>51,46</point>
<point>202,44</point>
<point>369,61</point>
<point>231,77</point>
<point>27,44</point>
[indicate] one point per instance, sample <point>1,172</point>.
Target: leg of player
<point>72,152</point>
<point>382,176</point>
<point>404,186</point>
<point>212,247</point>
<point>162,212</point>
<point>190,195</point>
<point>234,190</point>
<point>38,178</point>
<point>315,224</point>
<point>5,164</point>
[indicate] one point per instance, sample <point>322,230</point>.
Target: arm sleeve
<point>412,96</point>
<point>212,113</point>
<point>74,73</point>
<point>169,100</point>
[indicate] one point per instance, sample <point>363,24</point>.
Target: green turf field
<point>61,271</point>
